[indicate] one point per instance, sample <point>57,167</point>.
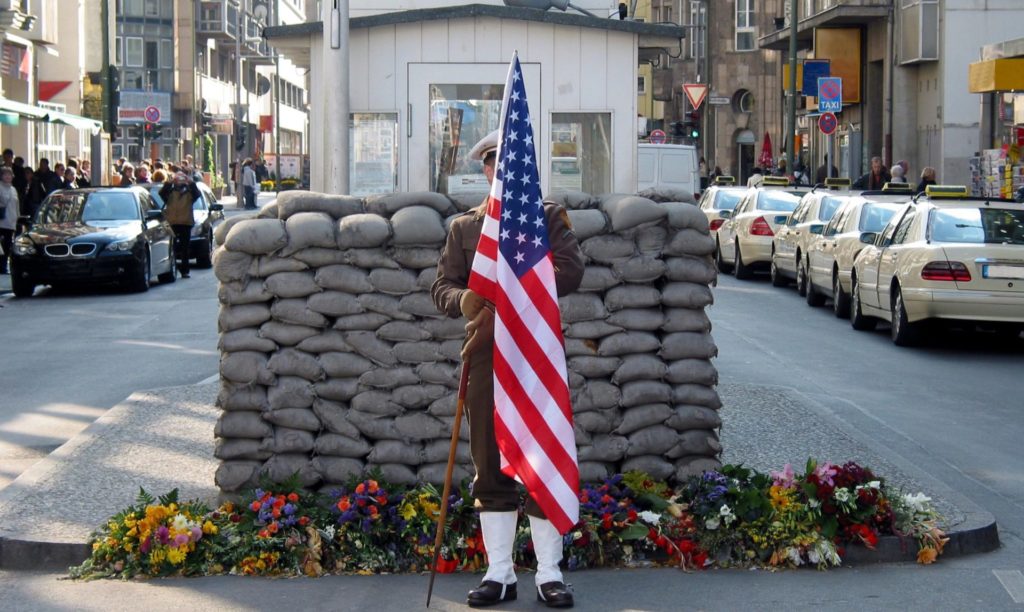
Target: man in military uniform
<point>497,495</point>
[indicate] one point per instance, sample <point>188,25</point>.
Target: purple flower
<point>145,546</point>
<point>288,509</point>
<point>181,539</point>
<point>197,533</point>
<point>163,534</point>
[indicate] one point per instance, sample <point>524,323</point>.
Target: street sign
<point>152,114</point>
<point>828,123</point>
<point>815,69</point>
<point>657,137</point>
<point>830,95</point>
<point>695,93</point>
<point>719,100</point>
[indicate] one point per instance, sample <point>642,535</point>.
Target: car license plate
<point>991,271</point>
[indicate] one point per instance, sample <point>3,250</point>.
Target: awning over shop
<point>36,113</point>
<point>994,75</point>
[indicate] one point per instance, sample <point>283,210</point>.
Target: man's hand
<point>479,331</point>
<point>471,303</point>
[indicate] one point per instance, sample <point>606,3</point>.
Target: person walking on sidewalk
<point>249,183</point>
<point>8,215</point>
<point>179,195</point>
<point>496,495</point>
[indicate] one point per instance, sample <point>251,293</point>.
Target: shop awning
<point>36,113</point>
<point>995,75</point>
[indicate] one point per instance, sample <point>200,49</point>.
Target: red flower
<point>606,499</point>
<point>343,504</point>
<point>236,518</point>
<point>382,499</point>
<point>373,486</point>
<point>279,501</point>
<point>275,513</point>
<point>631,517</point>
<point>360,488</point>
<point>373,510</point>
<point>699,559</point>
<point>361,503</point>
<point>606,521</point>
<point>447,566</point>
<point>272,528</point>
<point>303,521</point>
<point>293,497</point>
<point>255,506</point>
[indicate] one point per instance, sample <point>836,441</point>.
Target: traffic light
<point>694,125</point>
<point>157,131</point>
<point>205,123</point>
<point>141,136</point>
<point>240,137</point>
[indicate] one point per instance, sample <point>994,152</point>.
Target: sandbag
<point>367,321</point>
<point>639,367</point>
<point>581,436</point>
<point>443,407</point>
<point>327,341</point>
<point>268,211</point>
<point>572,199</point>
<point>421,426</point>
<point>335,304</point>
<point>395,451</point>
<point>466,201</point>
<point>280,468</point>
<point>639,417</point>
<point>437,451</point>
<point>290,362</point>
<point>337,389</point>
<point>317,257</point>
<point>598,278</point>
<point>395,473</point>
<point>290,392</point>
<point>693,417</point>
<point>656,467</point>
<point>686,295</point>
<point>393,282</point>
<point>239,448</point>
<point>370,346</point>
<point>295,311</point>
<point>581,307</point>
<point>690,242</point>
<point>637,319</point>
<point>231,265</point>
<point>349,279</point>
<point>242,424</point>
<point>695,442</point>
<point>628,343</point>
<point>418,258</point>
<point>375,402</point>
<point>687,345</point>
<point>697,395</point>
<point>573,347</point>
<point>435,472</point>
<point>419,304</point>
<point>687,467</point>
<point>309,229</point>
<point>587,223</point>
<point>424,351</point>
<point>598,421</point>
<point>592,472</point>
<point>626,211</point>
<point>388,204</point>
<point>293,202</point>
<point>389,378</point>
<point>286,440</point>
<point>235,293</point>
<point>332,416</point>
<point>243,316</point>
<point>596,395</point>
<point>683,215</point>
<point>690,269</point>
<point>370,258</point>
<point>373,426</point>
<point>594,367</point>
<point>257,237</point>
<point>668,194</point>
<point>233,476</point>
<point>439,374</point>
<point>384,304</point>
<point>418,395</point>
<point>220,233</point>
<point>246,367</point>
<point>640,392</point>
<point>607,248</point>
<point>591,329</point>
<point>265,265</point>
<point>445,328</point>
<point>292,284</point>
<point>425,279</point>
<point>341,446</point>
<point>695,371</point>
<point>653,440</point>
<point>234,396</point>
<point>337,470</point>
<point>449,349</point>
<point>685,320</point>
<point>363,231</point>
<point>639,269</point>
<point>286,334</point>
<point>650,240</point>
<point>632,296</point>
<point>604,448</point>
<point>417,225</point>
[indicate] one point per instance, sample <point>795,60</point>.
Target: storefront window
<point>374,153</point>
<point>460,115</point>
<point>581,152</point>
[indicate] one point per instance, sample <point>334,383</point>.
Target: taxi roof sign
<point>775,181</point>
<point>836,182</point>
<point>946,191</point>
<point>897,188</point>
<point>724,180</point>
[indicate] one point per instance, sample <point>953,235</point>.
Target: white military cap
<point>487,144</point>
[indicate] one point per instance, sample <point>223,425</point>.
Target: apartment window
<point>133,8</point>
<point>641,86</point>
<point>698,16</point>
<point>152,55</point>
<point>118,51</point>
<point>744,25</point>
<point>152,8</point>
<point>133,51</point>
<point>373,165</point>
<point>167,53</point>
<point>581,152</point>
<point>666,14</point>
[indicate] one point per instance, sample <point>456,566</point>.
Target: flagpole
<point>442,517</point>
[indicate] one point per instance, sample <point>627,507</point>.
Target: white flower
<point>794,555</point>
<point>813,503</point>
<point>650,517</point>
<point>180,523</point>
<point>842,495</point>
<point>725,510</point>
<point>712,523</point>
<point>812,556</point>
<point>917,501</point>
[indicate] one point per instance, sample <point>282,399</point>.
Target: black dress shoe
<point>490,592</point>
<point>555,595</point>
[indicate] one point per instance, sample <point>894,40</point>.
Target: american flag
<point>514,269</point>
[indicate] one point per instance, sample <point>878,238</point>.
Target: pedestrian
<point>876,178</point>
<point>703,172</point>
<point>127,174</point>
<point>496,495</point>
<point>927,178</point>
<point>70,179</point>
<point>8,215</point>
<point>249,184</point>
<point>824,171</point>
<point>82,172</point>
<point>20,181</point>
<point>780,168</point>
<point>756,178</point>
<point>142,173</point>
<point>179,196</point>
<point>7,158</point>
<point>906,169</point>
<point>43,182</point>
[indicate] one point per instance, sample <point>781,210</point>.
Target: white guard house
<point>427,84</point>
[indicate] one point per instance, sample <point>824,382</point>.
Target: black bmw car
<point>97,234</point>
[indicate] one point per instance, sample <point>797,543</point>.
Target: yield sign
<point>695,93</point>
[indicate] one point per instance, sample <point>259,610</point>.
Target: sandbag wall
<point>334,360</point>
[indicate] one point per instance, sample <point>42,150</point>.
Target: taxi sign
<point>775,181</point>
<point>946,191</point>
<point>724,180</point>
<point>897,188</point>
<point>837,182</point>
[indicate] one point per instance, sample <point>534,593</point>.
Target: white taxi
<point>829,261</point>
<point>805,224</point>
<point>745,239</point>
<point>722,195</point>
<point>943,257</point>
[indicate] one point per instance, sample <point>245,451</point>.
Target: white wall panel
<point>434,46</point>
<point>383,71</point>
<point>461,40</point>
<point>359,75</point>
<point>594,72</point>
<point>487,34</point>
<point>513,37</point>
<point>567,68</point>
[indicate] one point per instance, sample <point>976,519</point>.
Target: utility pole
<point>791,115</point>
<point>336,96</point>
<point>238,84</point>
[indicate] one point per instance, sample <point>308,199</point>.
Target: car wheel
<point>904,333</point>
<point>723,267</point>
<point>812,296</point>
<point>204,252</point>
<point>840,300</point>
<point>777,279</point>
<point>22,287</point>
<point>857,318</point>
<point>741,270</point>
<point>142,277</point>
<point>801,277</point>
<point>172,274</point>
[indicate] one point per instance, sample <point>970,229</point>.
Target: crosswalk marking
<point>1013,582</point>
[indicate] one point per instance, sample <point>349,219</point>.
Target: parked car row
<point>106,235</point>
<point>893,256</point>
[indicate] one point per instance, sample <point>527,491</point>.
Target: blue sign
<point>830,95</point>
<point>814,70</point>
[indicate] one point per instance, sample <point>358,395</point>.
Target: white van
<point>667,165</point>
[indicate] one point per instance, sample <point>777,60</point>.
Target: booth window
<point>581,152</point>
<point>460,115</point>
<point>373,153</point>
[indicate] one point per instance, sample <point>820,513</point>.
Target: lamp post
<point>791,114</point>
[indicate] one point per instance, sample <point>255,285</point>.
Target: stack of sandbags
<point>638,340</point>
<point>334,360</point>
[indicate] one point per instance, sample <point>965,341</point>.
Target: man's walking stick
<point>463,381</point>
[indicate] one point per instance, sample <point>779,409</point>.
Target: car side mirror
<point>216,207</point>
<point>816,228</point>
<point>725,214</point>
<point>868,237</point>
<point>154,215</point>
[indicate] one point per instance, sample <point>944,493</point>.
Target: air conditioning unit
<point>918,31</point>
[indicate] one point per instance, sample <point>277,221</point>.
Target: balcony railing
<point>217,18</point>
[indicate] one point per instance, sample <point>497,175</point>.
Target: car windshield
<point>977,225</point>
<point>777,200</point>
<point>874,216</point>
<point>110,206</point>
<point>829,206</point>
<point>727,200</point>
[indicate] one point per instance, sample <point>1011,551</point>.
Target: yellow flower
<point>209,528</point>
<point>176,556</point>
<point>129,546</point>
<point>927,555</point>
<point>157,556</point>
<point>408,511</point>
